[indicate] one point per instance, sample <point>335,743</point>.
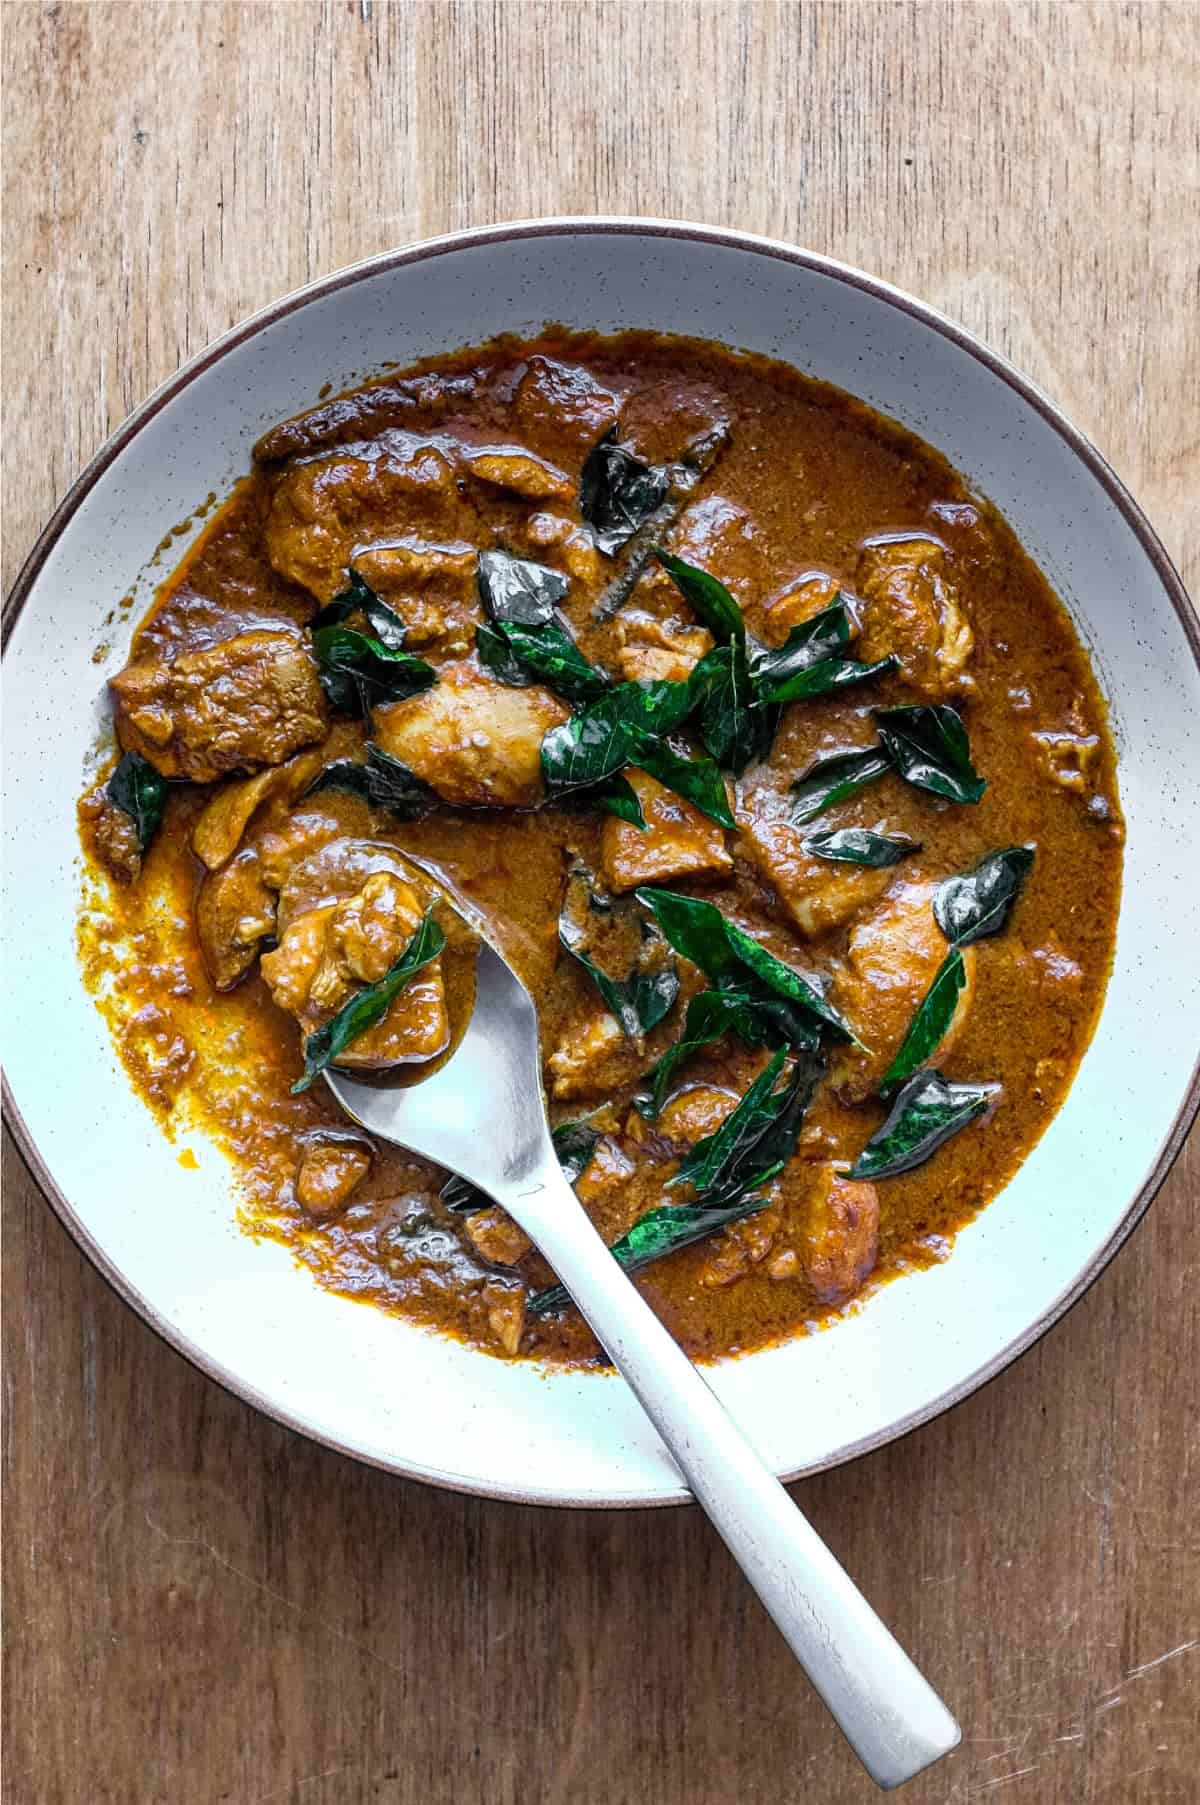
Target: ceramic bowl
<point>379,1388</point>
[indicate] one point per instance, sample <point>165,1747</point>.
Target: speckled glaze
<point>166,1235</point>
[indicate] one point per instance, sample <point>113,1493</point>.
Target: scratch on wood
<point>1172,1654</point>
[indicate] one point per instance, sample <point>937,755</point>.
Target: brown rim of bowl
<point>648,228</point>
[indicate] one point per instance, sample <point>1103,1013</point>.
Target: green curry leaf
<point>821,679</point>
<point>359,598</point>
<point>382,781</point>
<point>640,1001</point>
<point>708,599</point>
<point>735,729</point>
<point>929,747</point>
<point>926,1112</point>
<point>860,846</point>
<point>517,592</point>
<point>977,903</point>
<point>822,637</point>
<point>703,934</point>
<point>830,779</point>
<point>617,492</point>
<point>659,1232</point>
<point>354,666</point>
<point>140,791</point>
<point>369,1005</point>
<point>928,1026</point>
<point>757,1138</point>
<point>546,654</point>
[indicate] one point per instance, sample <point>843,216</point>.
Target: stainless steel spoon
<point>483,1115</point>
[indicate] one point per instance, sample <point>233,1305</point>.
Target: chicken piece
<point>912,610</point>
<point>494,1235</point>
<point>561,410</point>
<point>808,595</point>
<point>692,1114</point>
<point>431,587</point>
<point>509,467</point>
<point>739,1248</point>
<point>283,846</point>
<point>656,651</point>
<point>360,415</point>
<point>818,894</point>
<point>677,840</point>
<point>330,1168</point>
<point>219,829</point>
<point>235,913</point>
<point>663,416</point>
<point>114,835</point>
<point>243,703</point>
<point>477,742</point>
<point>324,509</point>
<point>574,546</point>
<point>327,953</point>
<point>836,1229</point>
<point>891,960</point>
<point>594,1056</point>
<point>720,536</point>
<point>607,1192</point>
<point>505,1306</point>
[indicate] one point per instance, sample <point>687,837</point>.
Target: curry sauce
<point>270,891</point>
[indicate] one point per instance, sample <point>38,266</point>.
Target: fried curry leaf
<point>382,781</point>
<point>756,1140</point>
<point>734,728</point>
<point>545,654</point>
<point>640,1001</point>
<point>617,492</point>
<point>140,791</point>
<point>356,668</point>
<point>574,1143</point>
<point>697,780</point>
<point>628,726</point>
<point>821,679</point>
<point>704,935</point>
<point>746,1009</point>
<point>928,1026</point>
<point>602,738</point>
<point>616,796</point>
<point>860,846</point>
<point>517,592</point>
<point>926,1112</point>
<point>694,928</point>
<point>496,655</point>
<point>360,598</point>
<point>929,747</point>
<point>370,1004</point>
<point>814,641</point>
<point>976,903</point>
<point>708,598</point>
<point>659,1232</point>
<point>829,780</point>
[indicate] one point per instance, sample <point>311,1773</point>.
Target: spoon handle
<point>887,1710</point>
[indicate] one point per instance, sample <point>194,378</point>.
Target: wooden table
<point>203,1607</point>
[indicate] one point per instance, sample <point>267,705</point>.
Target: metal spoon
<point>483,1115</point>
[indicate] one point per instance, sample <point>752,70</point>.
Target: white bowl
<point>380,1388</point>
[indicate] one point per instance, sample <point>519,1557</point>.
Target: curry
<point>750,736</point>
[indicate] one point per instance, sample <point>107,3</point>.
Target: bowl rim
<point>584,225</point>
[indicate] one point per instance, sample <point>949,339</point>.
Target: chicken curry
<point>750,736</point>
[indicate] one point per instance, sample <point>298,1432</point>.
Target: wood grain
<point>203,1607</point>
